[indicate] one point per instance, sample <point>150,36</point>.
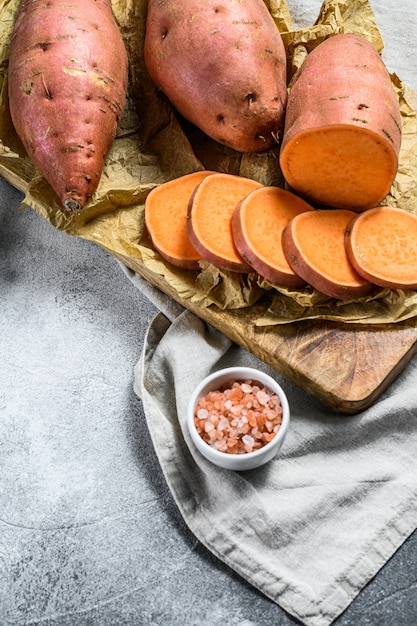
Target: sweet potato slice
<point>166,220</point>
<point>257,225</point>
<point>382,246</point>
<point>314,244</point>
<point>342,130</point>
<point>210,213</point>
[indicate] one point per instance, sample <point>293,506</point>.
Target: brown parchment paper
<point>155,145</point>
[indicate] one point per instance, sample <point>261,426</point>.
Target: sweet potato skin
<point>67,86</point>
<point>222,65</point>
<point>342,87</point>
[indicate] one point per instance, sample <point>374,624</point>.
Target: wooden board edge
<point>348,405</point>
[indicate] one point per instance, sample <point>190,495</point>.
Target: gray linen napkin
<point>313,526</point>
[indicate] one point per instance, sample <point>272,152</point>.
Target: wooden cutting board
<point>346,367</point>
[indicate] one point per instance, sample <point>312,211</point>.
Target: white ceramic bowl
<point>248,460</point>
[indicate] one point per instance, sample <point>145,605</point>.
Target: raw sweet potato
<point>166,220</point>
<point>222,64</point>
<point>314,244</point>
<point>67,89</point>
<point>342,131</point>
<point>257,225</point>
<point>382,246</point>
<point>209,219</point>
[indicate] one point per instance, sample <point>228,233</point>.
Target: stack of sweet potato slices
<point>240,225</point>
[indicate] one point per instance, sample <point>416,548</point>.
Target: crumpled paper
<point>155,145</point>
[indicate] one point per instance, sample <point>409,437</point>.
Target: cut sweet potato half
<point>209,219</point>
<point>381,244</point>
<point>314,244</point>
<point>257,225</point>
<point>166,220</point>
<point>339,165</point>
<point>342,132</point>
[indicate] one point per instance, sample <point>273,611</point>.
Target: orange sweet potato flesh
<point>257,225</point>
<point>382,246</point>
<point>209,218</point>
<point>166,209</point>
<point>67,87</point>
<point>342,131</point>
<point>314,244</point>
<point>222,64</point>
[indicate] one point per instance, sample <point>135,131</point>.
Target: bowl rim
<point>238,373</point>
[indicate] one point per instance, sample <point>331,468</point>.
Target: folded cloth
<point>313,526</point>
<point>164,303</point>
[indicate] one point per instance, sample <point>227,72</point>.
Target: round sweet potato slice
<point>166,209</point>
<point>257,225</point>
<point>381,244</point>
<point>209,219</point>
<point>314,244</point>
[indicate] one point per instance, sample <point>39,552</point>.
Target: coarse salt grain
<point>262,397</point>
<point>248,440</point>
<point>223,423</point>
<point>240,417</point>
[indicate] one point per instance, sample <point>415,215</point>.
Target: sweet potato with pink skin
<point>257,225</point>
<point>222,64</point>
<point>67,87</point>
<point>342,131</point>
<point>314,245</point>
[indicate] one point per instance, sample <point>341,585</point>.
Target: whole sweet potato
<point>67,89</point>
<point>343,126</point>
<point>222,64</point>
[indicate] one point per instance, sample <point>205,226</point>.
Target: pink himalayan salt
<point>240,417</point>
